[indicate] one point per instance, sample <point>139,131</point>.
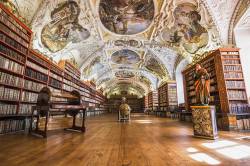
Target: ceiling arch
<point>178,29</point>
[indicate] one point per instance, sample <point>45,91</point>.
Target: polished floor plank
<point>145,141</point>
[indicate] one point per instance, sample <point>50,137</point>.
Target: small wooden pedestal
<point>204,122</point>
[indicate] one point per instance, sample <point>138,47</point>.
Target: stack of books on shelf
<point>33,86</point>
<point>11,125</point>
<point>10,65</point>
<point>29,97</point>
<point>243,123</point>
<point>167,94</point>
<point>9,94</point>
<point>11,80</point>
<point>7,109</point>
<point>153,100</point>
<point>4,38</point>
<point>35,75</point>
<point>25,109</point>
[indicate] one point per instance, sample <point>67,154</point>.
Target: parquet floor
<point>145,141</point>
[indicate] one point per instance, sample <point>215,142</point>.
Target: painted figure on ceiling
<point>126,16</point>
<point>64,27</point>
<point>202,85</point>
<point>186,29</point>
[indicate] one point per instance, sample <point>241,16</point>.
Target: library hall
<point>124,82</point>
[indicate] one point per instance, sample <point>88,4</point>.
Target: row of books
<point>29,96</point>
<point>9,79</point>
<point>232,68</point>
<point>34,86</point>
<point>233,75</point>
<point>36,75</point>
<point>86,90</point>
<point>243,123</point>
<point>55,76</point>
<point>230,53</point>
<point>4,38</point>
<point>236,95</point>
<point>58,99</point>
<point>67,87</point>
<point>56,70</point>
<point>72,73</point>
<point>13,35</point>
<point>9,94</point>
<point>11,65</point>
<point>7,109</point>
<point>25,109</point>
<point>239,108</point>
<point>72,69</point>
<point>71,83</point>
<point>12,54</point>
<point>230,61</point>
<point>55,83</point>
<point>208,63</point>
<point>12,24</point>
<point>8,126</point>
<point>37,67</point>
<point>38,60</point>
<point>230,56</point>
<point>54,90</point>
<point>235,84</point>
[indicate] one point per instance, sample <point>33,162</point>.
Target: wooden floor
<point>145,141</point>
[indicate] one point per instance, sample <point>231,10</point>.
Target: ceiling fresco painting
<point>126,17</point>
<point>135,41</point>
<point>155,67</point>
<point>187,30</point>
<point>125,57</point>
<point>64,27</point>
<point>124,74</point>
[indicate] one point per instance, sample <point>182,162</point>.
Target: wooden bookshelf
<point>153,100</point>
<point>145,99</point>
<point>15,40</point>
<point>228,92</point>
<point>167,96</point>
<point>135,104</point>
<point>24,72</point>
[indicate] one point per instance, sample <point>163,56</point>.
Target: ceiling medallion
<point>125,57</point>
<point>126,17</point>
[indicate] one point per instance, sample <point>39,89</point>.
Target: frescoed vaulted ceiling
<point>132,45</point>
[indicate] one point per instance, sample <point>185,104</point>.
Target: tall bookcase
<point>228,92</point>
<point>167,96</point>
<point>145,99</point>
<point>24,72</point>
<point>15,40</point>
<point>153,100</point>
